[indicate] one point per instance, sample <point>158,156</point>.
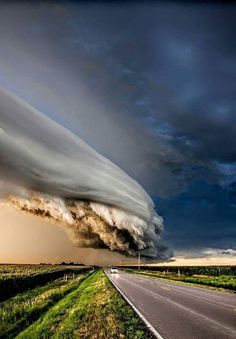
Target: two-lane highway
<point>180,311</point>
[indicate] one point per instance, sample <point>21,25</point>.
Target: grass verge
<point>22,310</point>
<point>94,310</point>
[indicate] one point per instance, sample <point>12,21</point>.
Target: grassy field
<point>87,306</point>
<point>15,270</point>
<point>18,271</point>
<point>19,278</point>
<point>222,281</point>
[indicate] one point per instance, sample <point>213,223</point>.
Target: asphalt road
<point>180,311</point>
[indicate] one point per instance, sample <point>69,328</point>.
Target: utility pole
<point>139,260</point>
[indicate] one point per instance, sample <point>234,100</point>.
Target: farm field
<point>79,305</point>
<point>217,277</point>
<point>19,278</point>
<point>8,271</point>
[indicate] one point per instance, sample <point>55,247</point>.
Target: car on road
<point>114,269</point>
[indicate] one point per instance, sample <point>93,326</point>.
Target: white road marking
<point>150,327</point>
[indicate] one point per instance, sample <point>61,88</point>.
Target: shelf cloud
<point>48,171</point>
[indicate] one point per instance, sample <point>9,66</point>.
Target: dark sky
<point>149,85</point>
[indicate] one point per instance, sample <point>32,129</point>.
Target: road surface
<point>180,311</point>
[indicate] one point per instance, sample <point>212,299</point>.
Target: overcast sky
<point>151,86</point>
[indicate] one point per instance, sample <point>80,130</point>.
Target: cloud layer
<point>52,173</point>
<point>151,86</point>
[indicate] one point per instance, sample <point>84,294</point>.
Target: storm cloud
<point>59,177</point>
<point>150,86</point>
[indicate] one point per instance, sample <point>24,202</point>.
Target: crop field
<point>19,278</point>
<point>223,277</point>
<point>79,304</point>
<point>18,271</point>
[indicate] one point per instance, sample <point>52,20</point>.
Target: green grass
<point>227,282</point>
<point>22,310</point>
<point>94,310</point>
<point>222,281</point>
